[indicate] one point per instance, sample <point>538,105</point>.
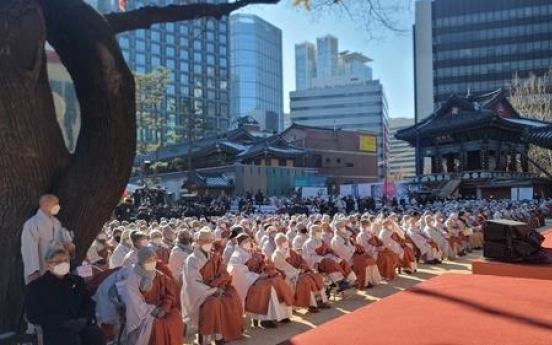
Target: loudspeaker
<point>510,241</point>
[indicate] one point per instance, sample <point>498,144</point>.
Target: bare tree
<point>532,98</point>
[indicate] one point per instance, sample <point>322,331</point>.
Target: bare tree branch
<point>145,17</point>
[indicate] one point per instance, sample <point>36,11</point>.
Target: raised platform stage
<point>485,266</point>
<point>451,309</point>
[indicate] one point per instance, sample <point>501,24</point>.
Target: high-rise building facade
<point>338,92</point>
<point>360,106</point>
<point>305,65</point>
<point>196,53</point>
<point>256,71</point>
<point>401,162</point>
<point>475,47</point>
<point>327,52</point>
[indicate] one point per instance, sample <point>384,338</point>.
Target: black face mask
<point>185,241</point>
<point>117,239</point>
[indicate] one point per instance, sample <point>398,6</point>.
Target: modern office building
<point>65,100</point>
<point>327,56</point>
<point>357,106</point>
<point>325,66</point>
<point>401,162</point>
<point>338,92</point>
<point>196,52</point>
<point>256,70</point>
<point>475,47</point>
<point>305,65</point>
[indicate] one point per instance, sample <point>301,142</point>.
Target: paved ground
<point>353,300</point>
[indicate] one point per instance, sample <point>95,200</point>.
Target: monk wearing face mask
<point>210,301</point>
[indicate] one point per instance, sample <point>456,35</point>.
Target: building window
<point>327,160</point>
<point>338,160</point>
<point>349,165</point>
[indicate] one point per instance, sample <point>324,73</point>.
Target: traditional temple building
<point>232,163</point>
<point>474,146</point>
<point>539,136</point>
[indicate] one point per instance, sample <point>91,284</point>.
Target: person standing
<point>40,232</point>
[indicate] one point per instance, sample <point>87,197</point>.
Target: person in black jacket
<point>60,303</point>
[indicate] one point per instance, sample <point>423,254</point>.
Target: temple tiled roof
<point>539,136</point>
<point>460,114</point>
<point>210,181</point>
<point>274,145</point>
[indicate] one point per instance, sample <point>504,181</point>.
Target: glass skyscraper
<point>256,67</point>
<point>196,52</point>
<point>474,47</point>
<point>327,56</point>
<point>305,65</point>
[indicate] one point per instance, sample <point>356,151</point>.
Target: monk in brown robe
<point>265,294</point>
<point>318,254</point>
<point>152,309</point>
<point>307,285</point>
<point>211,302</point>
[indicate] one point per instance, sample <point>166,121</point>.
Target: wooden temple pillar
<point>524,164</point>
<point>484,158</point>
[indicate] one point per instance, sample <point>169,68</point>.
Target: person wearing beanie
<point>152,310</point>
<point>231,243</point>
<point>207,290</point>
<point>160,248</point>
<point>392,240</point>
<point>60,303</point>
<point>260,287</point>
<point>307,286</point>
<point>321,257</point>
<point>386,260</point>
<point>361,262</point>
<point>139,240</point>
<point>168,236</point>
<point>180,253</point>
<point>122,249</point>
<point>269,246</point>
<point>300,238</point>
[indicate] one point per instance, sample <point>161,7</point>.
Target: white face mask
<point>246,246</point>
<point>150,266</point>
<point>61,269</point>
<point>207,247</point>
<point>285,245</point>
<point>55,210</point>
<point>156,240</point>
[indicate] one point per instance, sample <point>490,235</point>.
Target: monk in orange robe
<point>210,301</point>
<point>152,309</point>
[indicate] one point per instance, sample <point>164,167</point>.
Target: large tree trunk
<point>33,157</point>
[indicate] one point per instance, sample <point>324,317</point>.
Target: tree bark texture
<point>33,157</point>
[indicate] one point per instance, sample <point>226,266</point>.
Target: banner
<point>368,143</point>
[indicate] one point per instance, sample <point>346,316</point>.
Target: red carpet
<point>547,238</point>
<point>497,268</point>
<point>448,310</point>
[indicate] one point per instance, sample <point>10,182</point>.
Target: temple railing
<point>472,175</point>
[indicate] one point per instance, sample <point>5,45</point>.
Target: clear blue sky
<point>391,51</point>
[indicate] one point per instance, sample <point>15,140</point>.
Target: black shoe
<point>286,320</point>
<point>369,286</point>
<point>220,342</point>
<point>314,310</point>
<point>407,271</point>
<point>322,305</point>
<point>343,285</point>
<point>268,324</point>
